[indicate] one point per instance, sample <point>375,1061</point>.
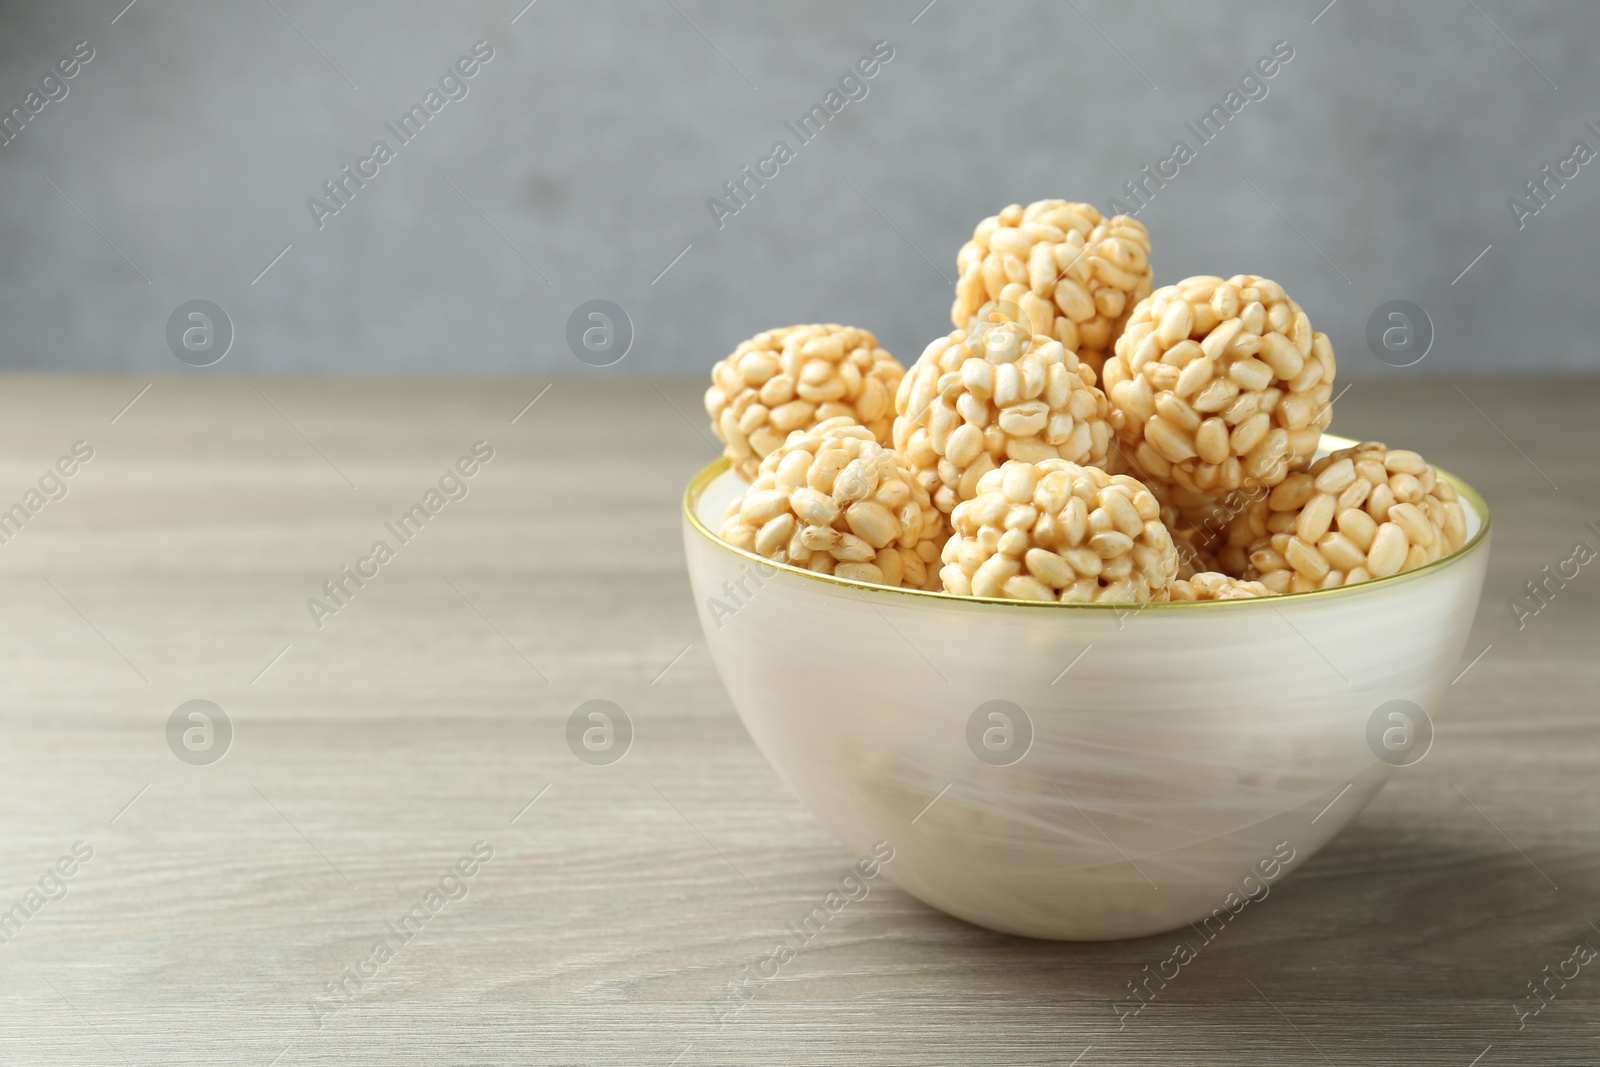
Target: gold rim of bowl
<point>698,484</point>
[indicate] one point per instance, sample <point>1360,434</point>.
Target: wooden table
<point>223,900</point>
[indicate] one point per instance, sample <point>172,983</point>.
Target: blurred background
<point>576,163</point>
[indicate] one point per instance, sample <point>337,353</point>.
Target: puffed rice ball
<point>1058,267</point>
<point>1190,518</point>
<point>974,400</point>
<point>1219,384</point>
<point>1193,555</point>
<point>1237,524</point>
<point>1054,530</point>
<point>794,378</point>
<point>1358,513</point>
<point>1210,585</point>
<point>833,500</point>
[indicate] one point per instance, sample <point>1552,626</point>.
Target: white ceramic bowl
<point>1183,756</point>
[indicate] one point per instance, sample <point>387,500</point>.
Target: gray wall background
<point>590,143</point>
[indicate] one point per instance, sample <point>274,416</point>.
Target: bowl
<point>1081,771</point>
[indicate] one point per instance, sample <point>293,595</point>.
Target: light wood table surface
<point>370,755</point>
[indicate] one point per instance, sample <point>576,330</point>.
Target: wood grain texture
<point>426,714</point>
